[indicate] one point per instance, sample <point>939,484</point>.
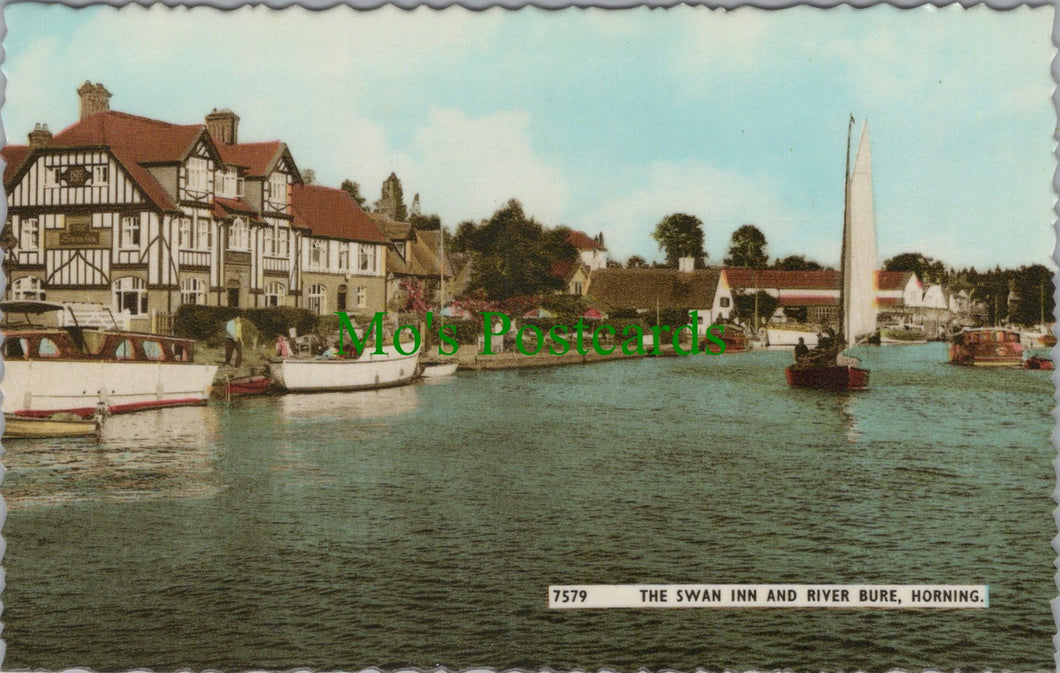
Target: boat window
<point>152,350</point>
<point>180,351</point>
<point>16,348</point>
<point>47,348</point>
<point>125,351</point>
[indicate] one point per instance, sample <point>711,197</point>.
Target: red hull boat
<point>834,377</point>
<point>250,385</point>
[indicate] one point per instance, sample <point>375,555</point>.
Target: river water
<point>421,526</point>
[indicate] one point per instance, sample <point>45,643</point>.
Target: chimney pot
<point>223,126</point>
<point>40,135</point>
<point>94,98</point>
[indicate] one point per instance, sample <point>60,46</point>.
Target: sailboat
<point>440,369</point>
<point>829,368</point>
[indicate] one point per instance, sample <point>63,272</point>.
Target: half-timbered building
<point>144,216</point>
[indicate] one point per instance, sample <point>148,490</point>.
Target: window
<point>344,257</point>
<point>30,237</point>
<point>198,174</point>
<point>724,303</point>
<point>130,231</point>
<point>226,184</point>
<point>193,291</point>
<point>367,262</point>
<point>270,241</point>
<point>239,235</point>
<point>400,245</point>
<point>130,295</point>
<point>125,350</point>
<point>282,237</point>
<point>202,234</point>
<point>185,233</point>
<point>16,348</point>
<point>362,296</point>
<point>27,288</point>
<point>99,175</point>
<point>317,297</point>
<point>318,251</point>
<point>274,294</point>
<point>152,350</point>
<point>47,348</point>
<point>53,177</point>
<point>278,189</point>
<point>340,304</point>
<point>577,287</point>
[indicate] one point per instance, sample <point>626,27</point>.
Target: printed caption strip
<point>850,596</point>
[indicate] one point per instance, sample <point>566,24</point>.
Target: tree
<point>613,263</point>
<point>928,270</point>
<point>354,190</point>
<point>425,222</point>
<point>309,176</point>
<point>796,263</point>
<point>636,262</point>
<point>747,248</point>
<point>512,255</point>
<point>680,235</point>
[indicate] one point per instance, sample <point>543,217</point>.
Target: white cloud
<point>467,168</point>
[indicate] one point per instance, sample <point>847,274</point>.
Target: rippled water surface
<point>421,525</point>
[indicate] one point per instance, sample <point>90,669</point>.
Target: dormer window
<point>278,190</point>
<point>228,185</point>
<point>400,245</point>
<point>317,253</point>
<point>198,174</point>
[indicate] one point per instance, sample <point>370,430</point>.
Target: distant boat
<point>362,373</point>
<point>1039,361</point>
<point>57,425</point>
<point>903,334</point>
<point>437,370</point>
<point>249,385</point>
<point>987,347</point>
<point>827,368</point>
<point>733,336</point>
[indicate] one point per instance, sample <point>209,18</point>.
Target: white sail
<point>859,248</point>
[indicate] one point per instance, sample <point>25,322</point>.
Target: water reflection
<point>163,453</point>
<point>847,404</point>
<point>363,404</point>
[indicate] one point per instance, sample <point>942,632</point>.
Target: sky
<point>605,120</point>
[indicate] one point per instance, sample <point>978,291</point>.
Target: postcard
<point>588,339</point>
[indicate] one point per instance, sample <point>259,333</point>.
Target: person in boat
<point>234,341</point>
<point>825,340</point>
<point>283,349</point>
<point>802,351</point>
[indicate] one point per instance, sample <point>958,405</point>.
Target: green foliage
<point>744,307</point>
<point>512,255</point>
<point>354,190</point>
<point>636,262</point>
<point>425,222</point>
<point>928,270</point>
<point>678,236</point>
<point>202,323</point>
<point>277,320</point>
<point>747,248</point>
<point>796,263</point>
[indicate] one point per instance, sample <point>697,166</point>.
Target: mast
<point>846,234</point>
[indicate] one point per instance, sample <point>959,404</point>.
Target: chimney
<point>686,264</point>
<point>94,98</point>
<point>40,135</point>
<point>223,126</point>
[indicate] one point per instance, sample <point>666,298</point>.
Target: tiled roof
<point>421,257</point>
<point>14,156</point>
<point>808,300</point>
<point>394,230</point>
<point>134,141</point>
<point>224,207</point>
<point>257,158</point>
<point>892,280</point>
<point>333,213</point>
<point>564,269</point>
<point>581,241</point>
<point>744,278</point>
<point>648,288</point>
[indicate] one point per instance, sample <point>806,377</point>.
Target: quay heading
<point>560,338</point>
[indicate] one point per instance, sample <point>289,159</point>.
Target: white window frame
<point>186,237</point>
<point>29,227</point>
<point>344,257</point>
<point>269,237</point>
<point>278,189</point>
<point>202,234</point>
<point>129,285</point>
<point>130,232</point>
<point>367,258</point>
<point>362,296</point>
<point>239,235</point>
<point>52,179</point>
<point>193,291</point>
<point>274,294</point>
<point>318,253</point>
<point>28,288</point>
<point>198,175</point>
<point>317,296</point>
<point>100,174</point>
<point>226,184</point>
<point>282,241</point>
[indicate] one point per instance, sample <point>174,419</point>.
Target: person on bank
<point>234,341</point>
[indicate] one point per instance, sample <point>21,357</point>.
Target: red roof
<point>223,207</point>
<point>808,300</point>
<point>564,268</point>
<point>257,158</point>
<point>888,301</point>
<point>782,280</point>
<point>134,141</point>
<point>581,241</point>
<point>892,280</point>
<point>14,156</point>
<point>330,212</point>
